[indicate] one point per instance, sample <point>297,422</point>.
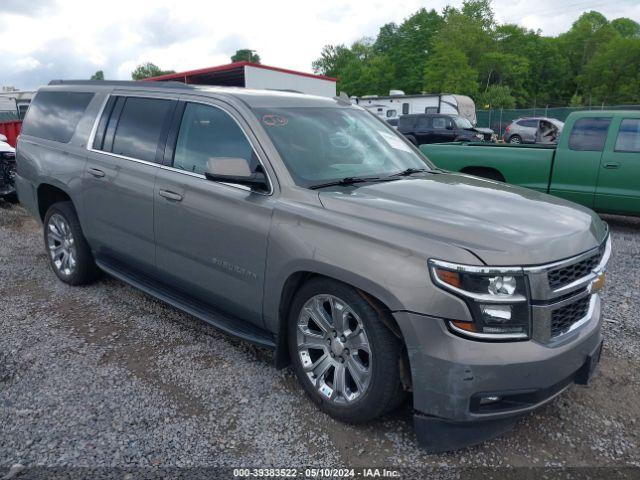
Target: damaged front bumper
<point>468,391</point>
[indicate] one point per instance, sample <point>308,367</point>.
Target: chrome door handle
<point>96,172</point>
<point>168,194</point>
<point>612,165</point>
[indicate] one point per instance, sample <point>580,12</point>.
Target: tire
<point>515,139</point>
<point>69,253</point>
<point>378,389</point>
<point>11,198</point>
<point>412,139</point>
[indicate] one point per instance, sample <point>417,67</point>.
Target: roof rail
<point>123,83</point>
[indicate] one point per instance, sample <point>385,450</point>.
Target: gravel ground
<point>107,376</point>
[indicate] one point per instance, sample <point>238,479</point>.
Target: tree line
<point>466,51</point>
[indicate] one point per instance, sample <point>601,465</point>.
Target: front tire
<point>346,359</point>
<point>69,253</point>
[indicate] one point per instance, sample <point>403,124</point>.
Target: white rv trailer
<point>396,104</point>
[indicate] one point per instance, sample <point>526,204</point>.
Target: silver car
<point>311,227</point>
<point>533,130</point>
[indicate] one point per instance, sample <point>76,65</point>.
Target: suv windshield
<point>462,122</point>
<point>323,144</point>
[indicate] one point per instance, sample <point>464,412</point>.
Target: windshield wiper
<point>409,171</point>
<point>346,181</point>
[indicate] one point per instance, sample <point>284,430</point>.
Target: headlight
<point>496,297</point>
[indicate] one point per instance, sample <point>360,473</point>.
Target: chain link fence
<point>498,119</point>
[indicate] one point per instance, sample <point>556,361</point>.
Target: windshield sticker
<point>394,142</point>
<point>275,120</point>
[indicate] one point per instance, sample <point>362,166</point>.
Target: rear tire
<point>346,359</point>
<point>515,139</point>
<point>69,252</point>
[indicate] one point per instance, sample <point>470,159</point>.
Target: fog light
<point>496,313</point>
<point>488,400</point>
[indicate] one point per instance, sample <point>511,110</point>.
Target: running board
<point>226,323</point>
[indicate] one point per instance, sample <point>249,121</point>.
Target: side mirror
<point>3,138</point>
<point>234,170</point>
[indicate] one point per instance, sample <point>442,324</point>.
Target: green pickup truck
<point>596,162</point>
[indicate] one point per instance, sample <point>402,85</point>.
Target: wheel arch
<point>298,278</point>
<point>47,194</point>
<point>484,172</point>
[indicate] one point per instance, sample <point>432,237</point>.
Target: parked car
<point>434,128</point>
<point>533,130</point>
<point>7,171</point>
<point>308,225</point>
<point>596,162</point>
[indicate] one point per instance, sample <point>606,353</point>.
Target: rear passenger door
<point>211,238</point>
<point>424,131</point>
<point>528,130</point>
<point>618,189</point>
<point>119,179</point>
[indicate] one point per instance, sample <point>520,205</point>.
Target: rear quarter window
<point>55,115</point>
<point>589,134</point>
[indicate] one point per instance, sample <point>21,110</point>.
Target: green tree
<point>245,55</point>
<point>448,70</point>
<point>626,27</point>
<point>99,75</point>
<point>612,76</point>
<point>497,96</point>
<point>148,70</point>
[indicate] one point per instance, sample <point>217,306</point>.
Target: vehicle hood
<point>499,223</point>
<point>482,130</point>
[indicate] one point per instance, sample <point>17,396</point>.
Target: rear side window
<point>528,123</point>
<point>589,134</point>
<point>55,115</point>
<point>629,136</point>
<point>206,134</point>
<point>139,128</point>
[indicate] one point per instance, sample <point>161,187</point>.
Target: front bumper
<point>450,374</point>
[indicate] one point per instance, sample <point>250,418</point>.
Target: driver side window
<point>208,132</point>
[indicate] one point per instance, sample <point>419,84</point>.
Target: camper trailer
<point>392,106</point>
<point>14,103</point>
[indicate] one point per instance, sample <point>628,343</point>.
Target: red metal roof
<point>229,67</point>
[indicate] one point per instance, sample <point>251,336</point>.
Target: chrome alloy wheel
<point>334,349</point>
<point>61,244</point>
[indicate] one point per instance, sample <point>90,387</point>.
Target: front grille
<point>563,318</point>
<point>565,275</point>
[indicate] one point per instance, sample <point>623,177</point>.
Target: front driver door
<point>211,238</point>
<point>618,189</point>
<point>577,160</point>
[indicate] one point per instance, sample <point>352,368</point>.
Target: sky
<point>45,39</point>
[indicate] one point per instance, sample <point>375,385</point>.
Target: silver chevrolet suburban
<point>306,225</point>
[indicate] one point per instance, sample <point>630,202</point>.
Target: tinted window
<point>55,115</point>
<point>431,110</point>
<point>629,136</point>
<point>589,134</point>
<point>424,122</point>
<point>440,122</point>
<point>207,133</point>
<point>139,127</point>
<point>391,113</point>
<point>405,108</point>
